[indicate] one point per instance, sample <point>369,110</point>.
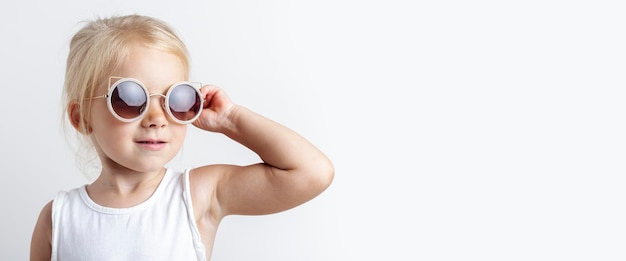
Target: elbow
<point>330,173</point>
<point>324,174</point>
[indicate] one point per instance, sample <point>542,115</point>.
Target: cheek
<point>106,142</point>
<point>106,130</point>
<point>179,133</point>
<point>100,115</point>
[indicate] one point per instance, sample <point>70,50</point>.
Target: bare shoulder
<point>204,180</point>
<point>41,242</point>
<point>203,184</point>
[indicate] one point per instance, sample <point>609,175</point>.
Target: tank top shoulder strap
<point>199,246</point>
<point>57,204</point>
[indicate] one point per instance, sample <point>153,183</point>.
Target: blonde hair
<point>99,49</point>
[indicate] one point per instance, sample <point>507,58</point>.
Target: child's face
<point>148,143</point>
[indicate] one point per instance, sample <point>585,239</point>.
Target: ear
<point>73,113</point>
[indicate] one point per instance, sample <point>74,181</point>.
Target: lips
<point>150,141</point>
<point>152,145</point>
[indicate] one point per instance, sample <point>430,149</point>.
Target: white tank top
<point>161,228</point>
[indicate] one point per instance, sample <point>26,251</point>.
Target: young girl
<point>126,92</point>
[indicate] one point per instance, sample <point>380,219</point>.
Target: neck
<point>124,188</point>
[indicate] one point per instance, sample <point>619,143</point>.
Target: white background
<point>460,130</point>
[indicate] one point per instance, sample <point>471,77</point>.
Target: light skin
<point>292,170</point>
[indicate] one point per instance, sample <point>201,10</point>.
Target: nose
<point>155,116</point>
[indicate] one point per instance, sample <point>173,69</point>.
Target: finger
<point>208,93</point>
<point>209,89</point>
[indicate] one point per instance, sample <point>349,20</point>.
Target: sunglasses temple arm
<point>98,97</point>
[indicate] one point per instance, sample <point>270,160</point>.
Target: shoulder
<point>46,213</point>
<point>45,216</point>
<point>203,187</point>
<point>41,242</point>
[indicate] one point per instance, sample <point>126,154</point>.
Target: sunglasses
<point>128,100</point>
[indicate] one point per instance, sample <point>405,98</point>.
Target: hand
<point>217,107</point>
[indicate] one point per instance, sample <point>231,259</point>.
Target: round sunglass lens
<point>184,102</point>
<point>128,100</point>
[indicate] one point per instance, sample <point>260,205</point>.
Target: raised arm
<point>292,170</point>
